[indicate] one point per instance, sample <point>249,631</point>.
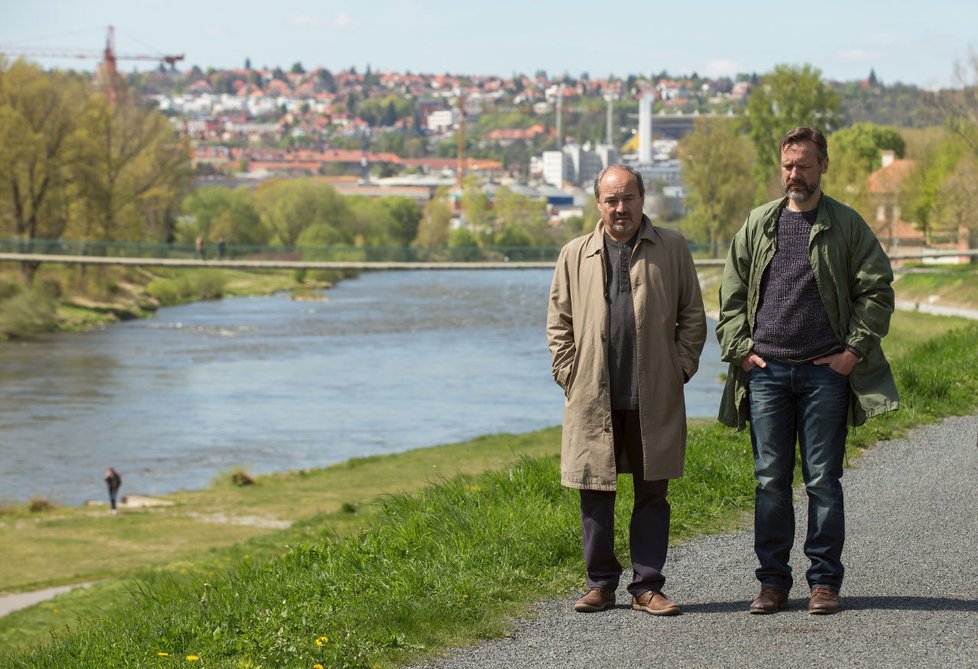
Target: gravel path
<point>910,598</point>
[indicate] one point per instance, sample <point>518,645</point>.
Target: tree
<point>955,204</point>
<point>477,208</point>
<point>287,208</point>
<point>513,209</point>
<point>922,193</point>
<point>855,153</point>
<point>788,96</point>
<point>436,221</point>
<point>132,172</point>
<point>215,213</point>
<point>326,80</point>
<point>38,148</point>
<point>959,106</point>
<point>717,164</point>
<point>405,215</point>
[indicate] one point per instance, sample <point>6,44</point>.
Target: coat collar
<point>595,242</point>
<point>823,219</point>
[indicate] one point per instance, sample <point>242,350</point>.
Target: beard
<point>800,191</point>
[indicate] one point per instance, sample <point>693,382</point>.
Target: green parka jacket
<point>853,275</point>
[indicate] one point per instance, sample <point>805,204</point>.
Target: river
<point>389,362</point>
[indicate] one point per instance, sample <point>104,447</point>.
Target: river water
<point>389,362</point>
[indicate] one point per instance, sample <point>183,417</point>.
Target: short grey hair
<point>631,170</point>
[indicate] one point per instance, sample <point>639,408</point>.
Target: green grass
<point>445,565</point>
<point>954,285</point>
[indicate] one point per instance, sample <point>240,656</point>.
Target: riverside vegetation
<point>81,298</point>
<point>375,575</point>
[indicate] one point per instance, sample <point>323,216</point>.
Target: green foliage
<point>954,205</point>
<point>514,209</point>
<point>188,287</point>
<point>433,229</point>
<point>39,140</point>
<point>854,153</point>
<point>27,312</point>
<point>168,291</point>
<point>717,162</point>
<point>288,207</point>
<point>923,191</point>
<point>220,213</point>
<point>464,244</point>
<point>863,144</point>
<point>387,110</point>
<point>131,172</point>
<point>405,217</point>
<point>787,97</point>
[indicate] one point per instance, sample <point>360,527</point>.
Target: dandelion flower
<point>317,666</point>
<point>192,658</point>
<point>322,641</point>
<point>162,654</point>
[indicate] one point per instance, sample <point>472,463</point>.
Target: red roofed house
<point>883,187</point>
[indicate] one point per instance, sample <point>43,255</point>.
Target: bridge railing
<point>335,253</point>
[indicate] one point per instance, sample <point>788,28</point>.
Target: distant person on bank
<point>626,327</point>
<point>113,482</point>
<point>804,302</point>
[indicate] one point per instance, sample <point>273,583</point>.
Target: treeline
<point>307,214</point>
<point>76,163</point>
<point>730,165</point>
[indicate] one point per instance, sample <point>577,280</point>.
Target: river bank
<point>80,299</point>
<point>466,548</point>
<point>213,528</point>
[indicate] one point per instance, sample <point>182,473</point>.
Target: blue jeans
<point>809,403</point>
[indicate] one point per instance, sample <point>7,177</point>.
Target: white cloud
<point>723,67</point>
<point>341,21</point>
<point>344,21</point>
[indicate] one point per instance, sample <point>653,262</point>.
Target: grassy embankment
<point>74,298</point>
<point>443,566</point>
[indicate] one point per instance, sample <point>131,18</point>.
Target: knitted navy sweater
<point>792,325</point>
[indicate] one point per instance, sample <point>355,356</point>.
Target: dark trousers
<point>808,404</point>
<point>649,529</point>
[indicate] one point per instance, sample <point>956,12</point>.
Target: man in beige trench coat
<point>625,326</point>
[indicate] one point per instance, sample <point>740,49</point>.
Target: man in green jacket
<point>804,302</point>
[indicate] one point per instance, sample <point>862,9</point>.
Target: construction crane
<point>460,142</point>
<point>109,57</point>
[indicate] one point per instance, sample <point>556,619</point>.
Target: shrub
<point>164,290</point>
<point>208,285</point>
<point>40,504</point>
<point>29,312</point>
<point>240,477</point>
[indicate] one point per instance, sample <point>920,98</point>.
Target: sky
<point>906,41</point>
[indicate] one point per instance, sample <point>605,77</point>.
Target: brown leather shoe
<point>595,599</point>
<point>770,600</point>
<point>824,601</point>
<point>654,602</point>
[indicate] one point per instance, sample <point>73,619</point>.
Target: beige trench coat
<point>670,328</point>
